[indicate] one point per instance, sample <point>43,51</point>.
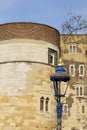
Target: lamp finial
<point>60,62</point>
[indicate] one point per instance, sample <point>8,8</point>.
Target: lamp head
<point>60,74</point>
<point>60,63</point>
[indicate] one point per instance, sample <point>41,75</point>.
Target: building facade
<point>28,54</point>
<point>74,55</point>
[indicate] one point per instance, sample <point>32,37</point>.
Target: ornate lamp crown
<point>60,74</point>
<point>60,63</point>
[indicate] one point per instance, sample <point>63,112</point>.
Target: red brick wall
<point>29,30</point>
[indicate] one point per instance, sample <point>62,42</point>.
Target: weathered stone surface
<point>75,119</point>
<point>25,78</point>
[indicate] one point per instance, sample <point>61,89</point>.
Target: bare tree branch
<point>75,24</point>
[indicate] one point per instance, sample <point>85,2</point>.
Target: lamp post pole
<point>59,76</point>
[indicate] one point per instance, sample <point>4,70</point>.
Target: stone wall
<point>75,117</point>
<point>25,76</point>
<point>25,50</point>
<point>21,87</point>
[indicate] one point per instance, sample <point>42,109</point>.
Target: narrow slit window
<point>72,70</point>
<point>77,91</point>
<point>83,109</point>
<point>65,109</point>
<point>81,70</point>
<point>74,49</point>
<point>81,91</point>
<point>70,49</point>
<point>47,104</point>
<point>41,103</point>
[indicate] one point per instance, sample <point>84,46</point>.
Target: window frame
<point>72,49</point>
<point>52,57</point>
<point>79,91</point>
<point>65,109</point>
<point>83,109</point>
<point>47,104</point>
<point>42,104</point>
<point>81,73</point>
<point>70,71</point>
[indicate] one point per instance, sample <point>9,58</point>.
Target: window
<point>70,49</point>
<point>65,109</point>
<point>86,52</point>
<point>52,57</point>
<point>46,104</point>
<point>72,70</point>
<point>83,109</point>
<point>79,91</point>
<point>81,70</point>
<point>73,49</point>
<point>52,54</point>
<point>41,103</point>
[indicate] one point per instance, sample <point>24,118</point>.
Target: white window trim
<point>53,56</point>
<point>66,108</point>
<point>79,86</point>
<point>44,104</point>
<point>72,51</point>
<point>73,70</point>
<point>79,70</point>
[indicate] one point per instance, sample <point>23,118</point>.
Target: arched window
<point>77,91</point>
<point>70,49</point>
<point>47,104</point>
<point>81,91</point>
<point>81,70</point>
<point>65,109</point>
<point>83,109</point>
<point>41,103</point>
<point>72,70</point>
<point>73,49</point>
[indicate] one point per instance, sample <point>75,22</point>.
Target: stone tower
<point>28,54</point>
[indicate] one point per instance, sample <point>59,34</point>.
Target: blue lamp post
<point>59,76</point>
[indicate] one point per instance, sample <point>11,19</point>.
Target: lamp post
<point>59,76</point>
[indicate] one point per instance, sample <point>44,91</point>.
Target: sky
<point>49,12</point>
